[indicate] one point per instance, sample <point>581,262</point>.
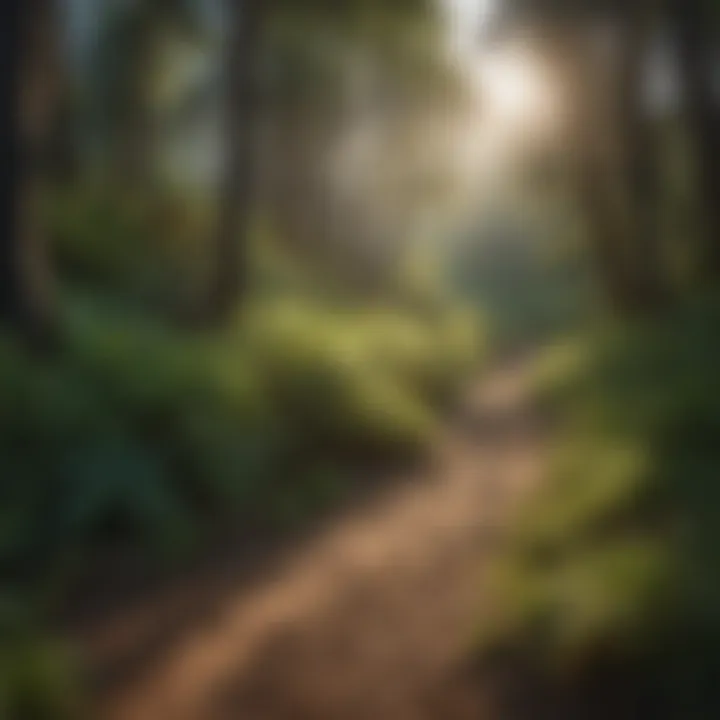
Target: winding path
<point>371,619</point>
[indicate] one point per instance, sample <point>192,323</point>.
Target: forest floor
<point>370,619</point>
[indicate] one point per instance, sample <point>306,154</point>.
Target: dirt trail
<point>371,619</point>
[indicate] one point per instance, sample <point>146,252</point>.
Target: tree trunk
<point>229,266</point>
<point>597,161</point>
<point>10,47</point>
<point>640,162</point>
<point>694,26</point>
<point>133,147</point>
<point>30,83</point>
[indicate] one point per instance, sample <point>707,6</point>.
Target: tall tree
<point>595,143</point>
<point>641,169</point>
<point>597,152</point>
<point>30,93</point>
<point>249,24</point>
<point>241,95</point>
<point>695,26</point>
<point>127,61</point>
<point>611,135</point>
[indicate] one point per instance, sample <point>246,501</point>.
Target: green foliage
<point>617,555</point>
<point>140,431</point>
<point>148,247</point>
<point>37,675</point>
<point>363,375</point>
<point>139,435</point>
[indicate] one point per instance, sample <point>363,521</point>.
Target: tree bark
<point>597,155</point>
<point>640,161</point>
<point>30,84</point>
<point>133,148</point>
<point>10,47</point>
<point>229,266</point>
<point>695,34</point>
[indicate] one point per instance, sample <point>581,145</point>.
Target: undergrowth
<point>142,437</point>
<point>614,563</point>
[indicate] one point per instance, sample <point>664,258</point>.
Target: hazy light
<point>467,19</point>
<point>516,86</point>
<point>509,80</point>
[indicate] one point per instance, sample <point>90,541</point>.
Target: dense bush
<point>138,431</point>
<point>616,559</point>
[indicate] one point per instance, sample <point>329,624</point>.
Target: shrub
<point>616,556</point>
<point>142,432</point>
